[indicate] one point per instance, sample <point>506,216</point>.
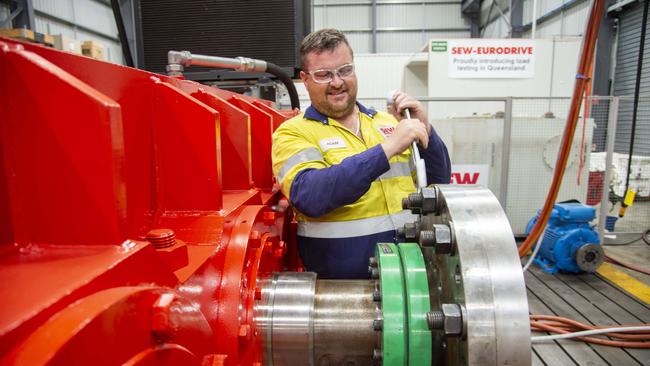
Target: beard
<point>338,110</point>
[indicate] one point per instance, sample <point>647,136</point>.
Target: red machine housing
<point>138,212</point>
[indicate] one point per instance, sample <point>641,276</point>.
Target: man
<point>345,168</point>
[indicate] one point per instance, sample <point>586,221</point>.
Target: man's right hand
<point>407,131</point>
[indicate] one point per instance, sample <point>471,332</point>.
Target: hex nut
<point>453,319</point>
<point>429,200</point>
<point>412,230</point>
<point>443,241</point>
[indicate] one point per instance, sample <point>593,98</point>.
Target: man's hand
<point>402,101</point>
<point>407,131</point>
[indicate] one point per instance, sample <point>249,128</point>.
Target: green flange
<point>394,331</point>
<point>417,304</point>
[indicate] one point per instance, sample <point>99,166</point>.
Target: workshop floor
<point>615,295</point>
<point>590,299</point>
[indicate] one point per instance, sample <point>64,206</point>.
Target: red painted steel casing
<point>96,155</point>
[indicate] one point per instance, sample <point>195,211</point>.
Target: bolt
<point>214,360</point>
<point>268,217</point>
<point>162,326</point>
<point>376,295</point>
<point>374,272</point>
<point>244,332</point>
<point>161,238</point>
<point>453,319</point>
<point>413,202</point>
<point>372,261</point>
<point>254,239</point>
<point>435,319</point>
<point>258,293</point>
<point>377,324</point>
<point>411,230</point>
<point>439,238</point>
<point>427,238</point>
<point>377,354</point>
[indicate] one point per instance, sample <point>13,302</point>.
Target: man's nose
<point>336,80</point>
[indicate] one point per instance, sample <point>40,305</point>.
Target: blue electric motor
<point>570,243</point>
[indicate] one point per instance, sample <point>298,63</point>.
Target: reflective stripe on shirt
<point>397,169</point>
<point>300,157</point>
<point>354,228</point>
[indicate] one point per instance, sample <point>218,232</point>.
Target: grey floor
<point>589,299</point>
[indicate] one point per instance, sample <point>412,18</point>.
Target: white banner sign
<point>472,174</point>
<point>491,58</point>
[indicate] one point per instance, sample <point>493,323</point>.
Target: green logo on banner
<point>438,46</point>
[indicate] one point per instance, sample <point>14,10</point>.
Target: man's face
<point>337,98</point>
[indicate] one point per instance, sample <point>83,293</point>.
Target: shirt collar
<point>313,114</point>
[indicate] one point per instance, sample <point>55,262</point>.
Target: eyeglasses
<point>324,76</point>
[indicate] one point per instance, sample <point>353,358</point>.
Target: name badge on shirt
<point>331,143</point>
<point>386,130</point>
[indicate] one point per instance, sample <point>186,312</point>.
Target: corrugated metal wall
<point>570,22</point>
<point>400,26</point>
<point>625,79</point>
<point>4,11</point>
<point>84,20</point>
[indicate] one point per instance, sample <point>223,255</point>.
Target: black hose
<point>274,69</point>
<point>637,89</point>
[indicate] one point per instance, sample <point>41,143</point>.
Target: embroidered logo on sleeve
<point>386,130</point>
<point>331,143</point>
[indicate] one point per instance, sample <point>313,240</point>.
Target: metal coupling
<point>449,320</point>
<point>439,237</point>
<point>251,65</point>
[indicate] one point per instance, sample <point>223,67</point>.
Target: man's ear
<point>304,76</point>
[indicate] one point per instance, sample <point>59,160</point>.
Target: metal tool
<point>418,163</point>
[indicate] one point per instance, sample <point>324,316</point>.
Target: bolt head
<point>378,324</point>
<point>244,331</point>
<point>269,218</point>
<point>374,273</point>
<point>376,295</point>
<point>372,262</point>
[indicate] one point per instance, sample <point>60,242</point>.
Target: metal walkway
<point>591,300</point>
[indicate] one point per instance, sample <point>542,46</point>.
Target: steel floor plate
<point>589,299</point>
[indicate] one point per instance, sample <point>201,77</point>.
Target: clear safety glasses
<point>324,76</point>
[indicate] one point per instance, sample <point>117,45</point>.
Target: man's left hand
<point>402,101</point>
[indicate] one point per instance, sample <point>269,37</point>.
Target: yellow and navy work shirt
<point>346,193</point>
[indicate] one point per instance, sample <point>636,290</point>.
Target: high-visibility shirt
<point>346,194</point>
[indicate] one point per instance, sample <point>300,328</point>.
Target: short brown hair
<point>322,40</point>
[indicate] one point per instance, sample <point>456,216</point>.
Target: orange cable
<point>588,49</point>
